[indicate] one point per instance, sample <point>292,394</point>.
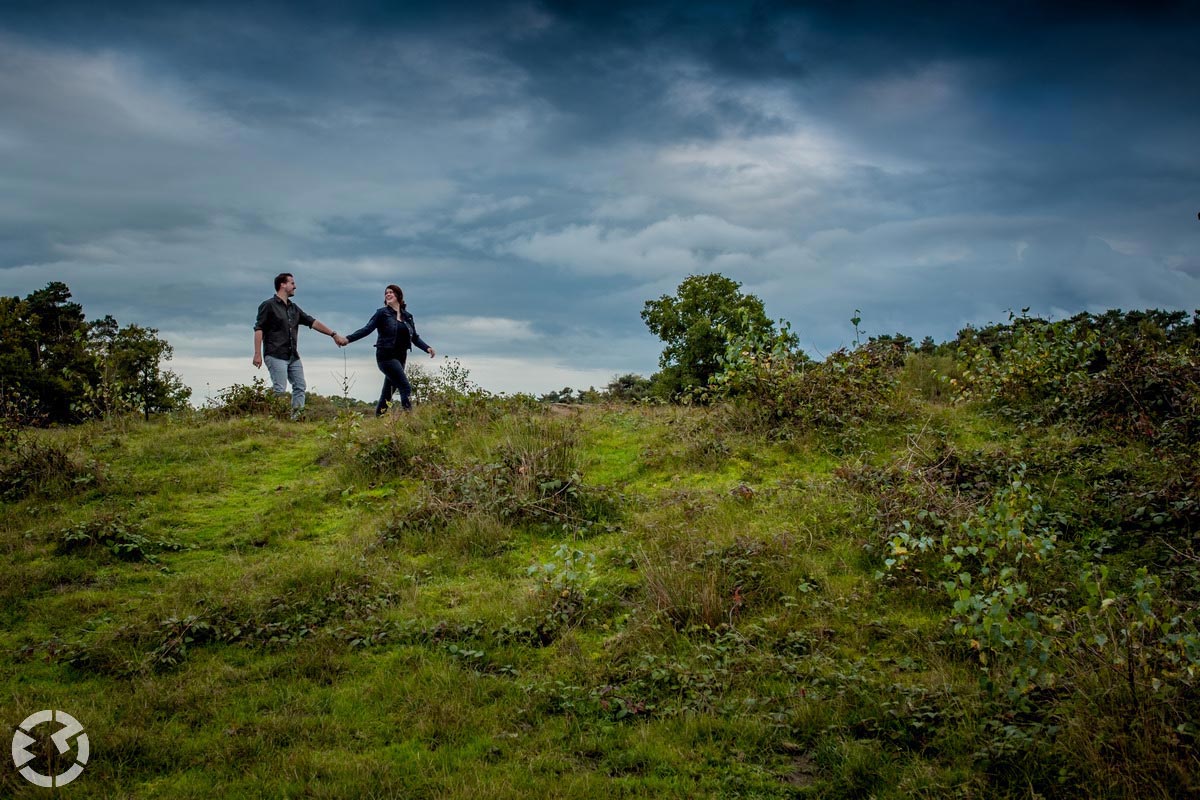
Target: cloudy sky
<point>531,173</point>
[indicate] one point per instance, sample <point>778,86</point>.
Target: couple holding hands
<point>277,328</point>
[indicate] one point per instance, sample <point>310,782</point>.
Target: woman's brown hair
<point>396,290</point>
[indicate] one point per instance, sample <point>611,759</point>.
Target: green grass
<point>381,608</point>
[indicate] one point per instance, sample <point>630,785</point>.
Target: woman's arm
<point>365,330</point>
<point>416,337</point>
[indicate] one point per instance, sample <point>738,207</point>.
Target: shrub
<point>1142,638</point>
<point>993,569</point>
<point>530,476</point>
<point>118,536</point>
<point>1145,391</point>
<point>509,489</point>
<point>451,380</point>
<point>995,574</point>
<point>1112,373</point>
<point>1029,366</point>
<point>710,585</point>
<point>256,399</point>
<point>563,593</point>
<point>32,466</point>
<point>18,413</point>
<point>928,376</point>
<point>1008,579</point>
<point>394,452</point>
<point>780,386</point>
<point>29,464</point>
<point>320,408</point>
<point>414,526</point>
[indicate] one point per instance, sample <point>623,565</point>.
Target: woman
<point>397,335</point>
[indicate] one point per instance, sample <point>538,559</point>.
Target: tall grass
<point>445,602</point>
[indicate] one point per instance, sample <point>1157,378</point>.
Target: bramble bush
<point>994,570</point>
<point>781,385</point>
<point>1030,366</point>
<point>1147,390</point>
<point>117,535</point>
<point>690,582</point>
<point>1041,614</point>
<point>527,476</point>
<point>34,466</point>
<point>1143,638</point>
<point>564,586</point>
<point>1136,374</point>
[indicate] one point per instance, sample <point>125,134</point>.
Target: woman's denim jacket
<point>393,341</point>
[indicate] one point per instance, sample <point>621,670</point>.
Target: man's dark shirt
<point>280,323</point>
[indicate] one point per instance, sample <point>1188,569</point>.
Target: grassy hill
<point>491,597</point>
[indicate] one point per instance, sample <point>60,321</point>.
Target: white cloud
<point>1125,246</point>
<point>366,273</point>
<point>492,329</point>
<point>531,375</point>
<point>764,159</point>
<point>476,206</point>
<point>676,245</point>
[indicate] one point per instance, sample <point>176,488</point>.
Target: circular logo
<point>69,728</point>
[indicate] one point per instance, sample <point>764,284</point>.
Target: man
<point>276,331</point>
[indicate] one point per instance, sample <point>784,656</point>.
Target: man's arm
<point>316,324</point>
<point>261,321</point>
<point>321,327</point>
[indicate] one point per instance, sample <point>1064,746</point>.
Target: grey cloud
<point>555,165</point>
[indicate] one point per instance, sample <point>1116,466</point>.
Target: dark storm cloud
<point>533,172</point>
<point>599,67</point>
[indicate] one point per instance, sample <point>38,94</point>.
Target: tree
<point>629,387</point>
<point>68,369</point>
<point>130,361</point>
<point>691,324</point>
<point>563,395</point>
<point>43,352</point>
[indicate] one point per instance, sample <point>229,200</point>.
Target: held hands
<point>342,341</point>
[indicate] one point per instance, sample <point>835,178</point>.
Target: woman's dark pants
<point>393,379</point>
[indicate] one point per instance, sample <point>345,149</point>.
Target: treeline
<point>57,367</point>
<point>1132,371</point>
<point>704,328</point>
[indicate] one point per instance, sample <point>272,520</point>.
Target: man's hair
<point>396,290</point>
<point>281,279</point>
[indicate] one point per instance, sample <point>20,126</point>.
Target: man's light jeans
<point>284,372</point>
